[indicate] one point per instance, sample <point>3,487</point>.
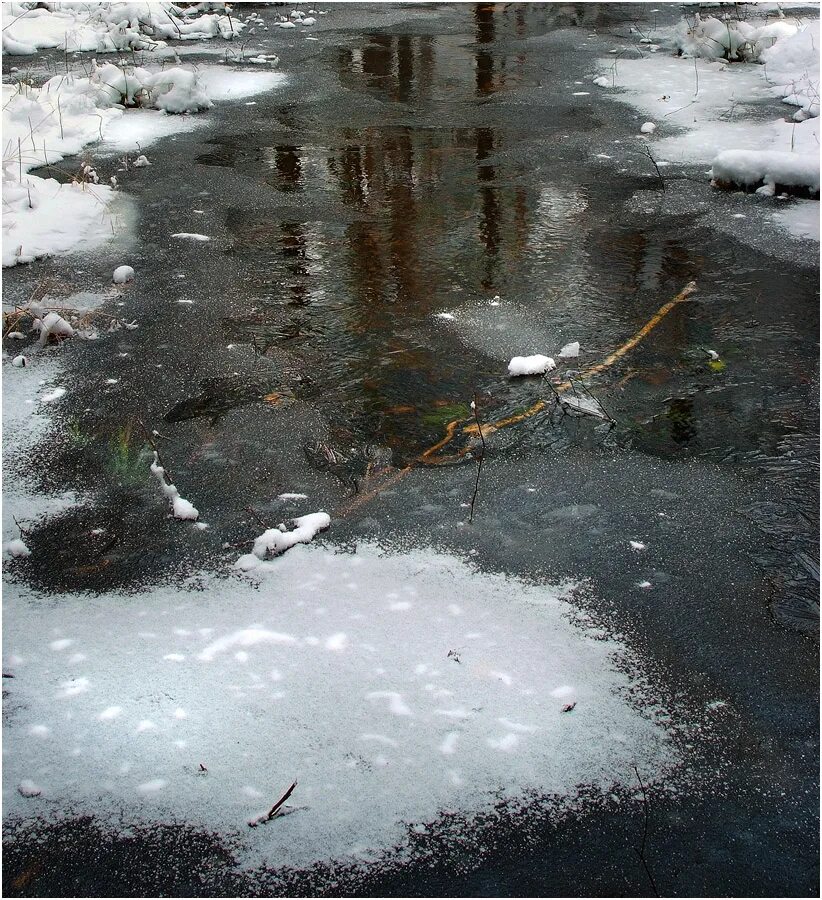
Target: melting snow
<point>362,706</point>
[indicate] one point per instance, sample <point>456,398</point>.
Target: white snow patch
<point>181,508</point>
<point>531,365</point>
<point>122,275</point>
<point>326,702</point>
<point>17,548</point>
<point>274,541</point>
<point>27,788</point>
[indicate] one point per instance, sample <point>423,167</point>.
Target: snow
<point>638,546</point>
<point>17,548</point>
<point>277,540</point>
<point>752,167</point>
<point>27,788</point>
<point>728,38</point>
<point>360,705</point>
<point>107,27</point>
<point>189,236</point>
<point>530,365</point>
<point>800,219</point>
<point>223,83</point>
<point>141,162</point>
<point>570,351</point>
<point>713,104</point>
<point>51,396</point>
<point>792,67</point>
<point>44,217</point>
<point>122,274</point>
<point>647,128</point>
<point>53,324</point>
<point>180,507</point>
<point>177,90</point>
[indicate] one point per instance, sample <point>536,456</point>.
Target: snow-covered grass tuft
<point>180,507</point>
<point>274,541</point>
<point>108,27</point>
<point>17,548</point>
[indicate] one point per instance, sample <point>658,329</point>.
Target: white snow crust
<point>333,670</point>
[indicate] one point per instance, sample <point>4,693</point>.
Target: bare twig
<point>250,509</point>
<point>640,852</point>
<point>653,161</point>
<point>153,444</point>
<point>275,809</point>
<point>480,458</point>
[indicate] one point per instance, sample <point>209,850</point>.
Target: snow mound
<point>727,38</point>
<point>530,365</point>
<point>274,541</point>
<point>107,27</point>
<point>768,167</point>
<point>122,275</point>
<point>792,66</point>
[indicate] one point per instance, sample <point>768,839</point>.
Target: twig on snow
<point>275,809</point>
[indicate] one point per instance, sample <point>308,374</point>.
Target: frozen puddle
<point>390,686</point>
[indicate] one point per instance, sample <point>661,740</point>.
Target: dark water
<point>426,161</point>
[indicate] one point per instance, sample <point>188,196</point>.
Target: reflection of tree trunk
<point>520,220</point>
<point>351,175</point>
<point>287,163</point>
<point>403,222</point>
<point>426,67</point>
<point>490,213</point>
<point>368,275</point>
<point>293,246</point>
<point>405,68</point>
<point>377,57</point>
<point>484,18</point>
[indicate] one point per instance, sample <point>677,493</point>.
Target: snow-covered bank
<point>109,27</point>
<point>42,126</point>
<point>121,103</point>
<point>705,107</point>
<point>390,686</point>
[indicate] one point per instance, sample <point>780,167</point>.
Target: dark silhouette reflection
<point>681,418</point>
<point>484,18</point>
<point>288,172</point>
<point>378,56</point>
<point>489,227</point>
<point>399,68</point>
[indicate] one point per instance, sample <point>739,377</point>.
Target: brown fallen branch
<point>274,811</point>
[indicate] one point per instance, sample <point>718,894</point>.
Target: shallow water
<point>365,218</point>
